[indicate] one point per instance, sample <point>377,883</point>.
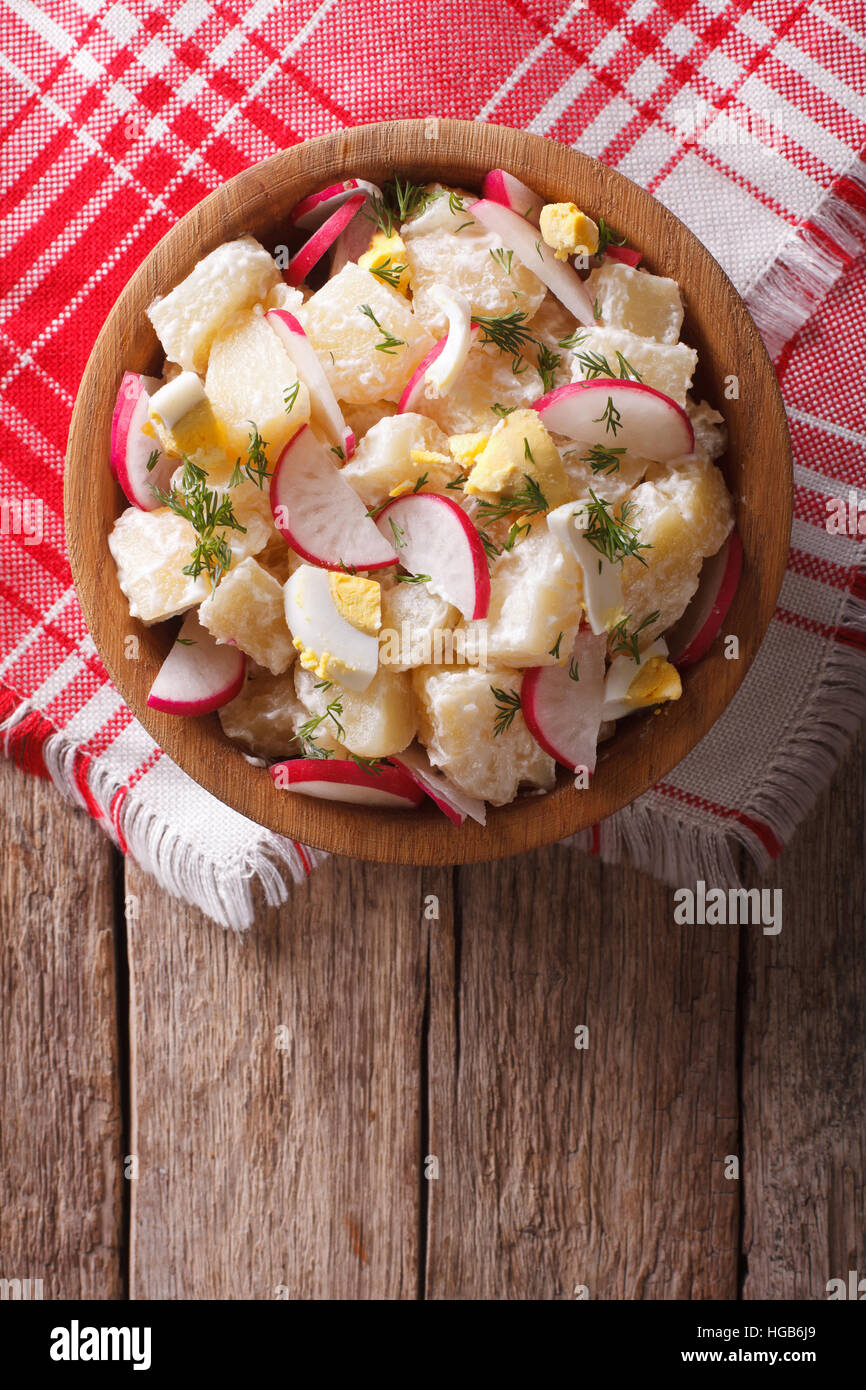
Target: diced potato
<point>535,596</point>
<point>472,262</point>
<point>250,381</point>
<point>684,514</point>
<point>361,418</point>
<point>668,367</point>
<point>150,550</point>
<point>456,723</point>
<point>486,380</point>
<point>283,296</point>
<point>252,508</point>
<point>376,722</point>
<point>711,432</point>
<point>552,326</point>
<point>649,305</point>
<point>232,277</point>
<point>411,618</point>
<point>348,342</point>
<point>519,448</point>
<point>383,460</point>
<point>247,609</point>
<point>265,715</point>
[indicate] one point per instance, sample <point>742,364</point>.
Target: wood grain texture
<point>61,1156</point>
<point>804,1059</point>
<point>716,323</point>
<point>263,1168</point>
<point>561,1167</point>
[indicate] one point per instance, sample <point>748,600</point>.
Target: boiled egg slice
<point>602,581</point>
<point>334,619</point>
<point>630,685</point>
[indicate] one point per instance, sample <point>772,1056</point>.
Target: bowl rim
<point>457,152</point>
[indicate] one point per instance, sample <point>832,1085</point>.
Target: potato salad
<point>429,492</point>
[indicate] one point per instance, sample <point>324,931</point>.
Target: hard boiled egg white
<point>334,619</point>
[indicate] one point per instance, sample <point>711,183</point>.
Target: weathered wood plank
<point>804,1080</point>
<point>265,1169</point>
<point>61,1154</point>
<point>561,1167</point>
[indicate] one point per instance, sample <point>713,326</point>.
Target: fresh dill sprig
<point>626,370</point>
<point>307,730</point>
<point>503,411</point>
<point>388,272</point>
<point>290,395</point>
<point>413,578</point>
<point>507,332</point>
<point>613,537</point>
<point>610,417</point>
<point>323,685</point>
<point>397,532</point>
<point>507,705</point>
<point>607,238</point>
<point>573,670</point>
<point>419,482</point>
<point>603,460</point>
<point>515,531</point>
<point>574,340</point>
<point>389,343</point>
<point>372,765</point>
<point>593,365</point>
<point>491,549</point>
<point>530,501</point>
<point>340,453</point>
<point>210,515</point>
<point>626,642</point>
<point>503,257</point>
<point>152,460</point>
<point>456,482</point>
<point>399,203</point>
<point>256,466</point>
<point>554,650</point>
<point>547,363</point>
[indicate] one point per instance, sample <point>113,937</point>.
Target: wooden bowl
<point>757,467</point>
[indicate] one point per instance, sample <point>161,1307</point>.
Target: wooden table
<point>285,1094</point>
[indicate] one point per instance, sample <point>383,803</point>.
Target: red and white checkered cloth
<point>748,119</point>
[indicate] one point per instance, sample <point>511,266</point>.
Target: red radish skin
<point>451,800</point>
<point>693,635</point>
<point>659,429</point>
<point>320,514</point>
<point>519,236</point>
<point>413,397</point>
<point>323,402</point>
<point>131,448</point>
<point>501,187</point>
<point>199,674</point>
<point>316,208</point>
<point>563,715</point>
<point>324,237</point>
<point>440,540</point>
<point>624,254</point>
<point>334,779</point>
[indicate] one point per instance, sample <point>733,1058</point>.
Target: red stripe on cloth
<point>116,803</point>
<point>24,743</point>
<point>80,771</point>
<point>768,838</point>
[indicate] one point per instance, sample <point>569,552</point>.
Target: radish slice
<point>412,399</point>
<point>625,254</point>
<point>639,419</point>
<point>602,580</point>
<point>334,779</point>
<point>353,241</point>
<point>452,800</point>
<point>562,714</point>
<point>502,187</point>
<point>131,450</point>
<point>320,514</point>
<point>694,633</point>
<point>198,675</point>
<point>619,678</point>
<point>519,236</point>
<point>313,250</point>
<point>311,212</point>
<point>433,535</point>
<point>447,365</point>
<point>323,403</point>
